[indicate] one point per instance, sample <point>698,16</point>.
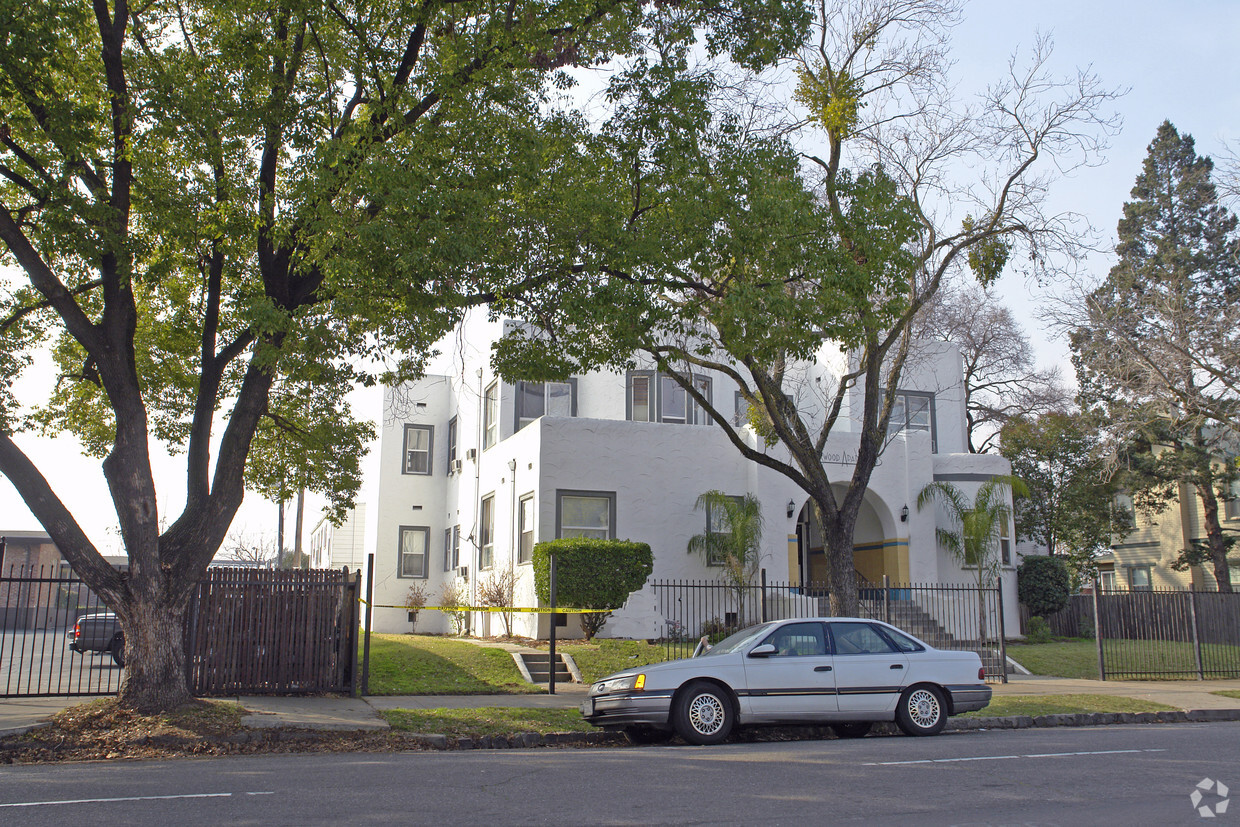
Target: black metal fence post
<point>551,634</point>
<point>762,597</point>
<point>1102,665</point>
<point>1002,637</point>
<point>1192,619</point>
<point>370,593</point>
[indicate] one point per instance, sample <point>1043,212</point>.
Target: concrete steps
<point>536,667</point>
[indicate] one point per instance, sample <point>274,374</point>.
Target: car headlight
<point>626,683</point>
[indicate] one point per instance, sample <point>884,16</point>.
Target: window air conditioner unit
<point>471,454</point>
<point>454,467</point>
<point>462,572</point>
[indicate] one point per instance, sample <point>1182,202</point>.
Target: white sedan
<point>846,672</point>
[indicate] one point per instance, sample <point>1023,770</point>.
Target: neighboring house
<point>333,547</point>
<point>1141,559</point>
<point>474,471</point>
<point>33,555</point>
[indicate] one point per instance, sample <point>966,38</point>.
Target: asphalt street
<point>1099,775</point>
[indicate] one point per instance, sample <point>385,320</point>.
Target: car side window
<point>798,640</point>
<point>859,639</point>
<point>902,642</point>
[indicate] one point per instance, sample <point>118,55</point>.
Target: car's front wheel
<point>852,729</point>
<point>704,714</point>
<point>922,711</point>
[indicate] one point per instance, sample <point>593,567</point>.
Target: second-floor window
<point>525,529</point>
<point>654,397</point>
<point>913,411</point>
<point>486,532</point>
<point>451,443</point>
<point>418,441</point>
<point>535,399</point>
<point>490,416</point>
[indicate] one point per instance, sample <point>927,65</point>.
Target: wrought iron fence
<point>247,631</point>
<point>960,617</point>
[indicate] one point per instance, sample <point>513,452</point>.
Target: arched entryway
<point>879,546</point>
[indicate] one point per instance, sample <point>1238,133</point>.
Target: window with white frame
<point>490,415</point>
<point>1106,581</point>
<point>535,399</point>
<point>913,411</point>
<point>451,548</point>
<point>1005,543</point>
<point>451,443</point>
<point>525,529</point>
<point>418,442</point>
<point>717,524</point>
<point>586,514</point>
<point>655,397</point>
<point>413,544</point>
<point>486,531</point>
<point>1231,505</point>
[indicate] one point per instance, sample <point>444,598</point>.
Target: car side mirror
<point>764,650</point>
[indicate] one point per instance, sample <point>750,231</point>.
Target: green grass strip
<point>475,723</point>
<point>1005,705</point>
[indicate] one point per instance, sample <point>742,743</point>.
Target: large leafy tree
<point>219,210</point>
<point>1070,509</point>
<point>730,251</point>
<point>1158,347</point>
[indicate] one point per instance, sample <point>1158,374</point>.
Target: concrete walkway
<point>345,713</point>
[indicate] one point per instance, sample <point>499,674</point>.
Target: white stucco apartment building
<point>475,470</point>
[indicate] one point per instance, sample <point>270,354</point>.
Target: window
<point>717,524</point>
<point>1231,505</point>
<point>1106,581</point>
<point>487,533</point>
<point>913,411</point>
<point>798,640</point>
<point>535,399</point>
<point>1139,578</point>
<point>525,529</point>
<point>451,443</point>
<point>451,548</point>
<point>740,415</point>
<point>418,441</point>
<point>1005,543</point>
<point>490,416</point>
<point>654,397</point>
<point>859,639</point>
<point>585,514</point>
<point>1234,576</point>
<point>413,542</point>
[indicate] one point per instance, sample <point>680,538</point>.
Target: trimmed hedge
<point>591,574</point>
<point>1043,584</point>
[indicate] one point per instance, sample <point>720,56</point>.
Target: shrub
<point>499,591</point>
<point>1037,630</point>
<point>1043,585</point>
<point>716,630</point>
<point>454,595</point>
<point>415,599</point>
<point>591,574</point>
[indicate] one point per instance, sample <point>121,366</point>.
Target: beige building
<point>1141,560</point>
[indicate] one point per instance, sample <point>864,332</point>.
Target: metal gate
<point>247,631</point>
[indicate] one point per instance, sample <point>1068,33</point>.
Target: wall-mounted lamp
<point>792,507</point>
<point>904,514</point>
<point>512,465</point>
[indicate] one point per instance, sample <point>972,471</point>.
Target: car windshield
<point>738,640</point>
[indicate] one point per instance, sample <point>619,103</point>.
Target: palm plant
<point>972,535</point>
<point>732,540</point>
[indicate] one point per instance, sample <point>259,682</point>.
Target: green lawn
<point>604,656</point>
<point>1161,660</point>
<point>426,665</point>
<point>1003,705</point>
<point>474,723</point>
<point>1228,693</point>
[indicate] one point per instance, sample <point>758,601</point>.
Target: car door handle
<point>897,666</point>
<point>822,668</point>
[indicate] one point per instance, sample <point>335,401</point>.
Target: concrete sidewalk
<point>345,713</point>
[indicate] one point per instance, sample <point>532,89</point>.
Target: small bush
<point>1037,630</point>
<point>716,630</point>
<point>454,594</point>
<point>1043,584</point>
<point>415,599</point>
<point>591,574</point>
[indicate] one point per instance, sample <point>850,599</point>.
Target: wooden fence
<point>254,631</point>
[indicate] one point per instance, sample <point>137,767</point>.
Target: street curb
<point>22,730</point>
<point>1081,719</point>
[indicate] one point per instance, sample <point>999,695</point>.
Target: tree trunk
<point>837,536</point>
<point>154,678</point>
<point>1214,537</point>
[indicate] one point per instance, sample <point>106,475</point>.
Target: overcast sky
<point>1177,58</point>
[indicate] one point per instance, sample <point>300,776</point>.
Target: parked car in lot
<point>846,672</point>
<point>99,633</point>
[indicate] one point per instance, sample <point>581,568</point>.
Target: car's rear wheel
<point>118,649</point>
<point>648,735</point>
<point>852,729</point>
<point>704,714</point>
<point>922,711</point>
